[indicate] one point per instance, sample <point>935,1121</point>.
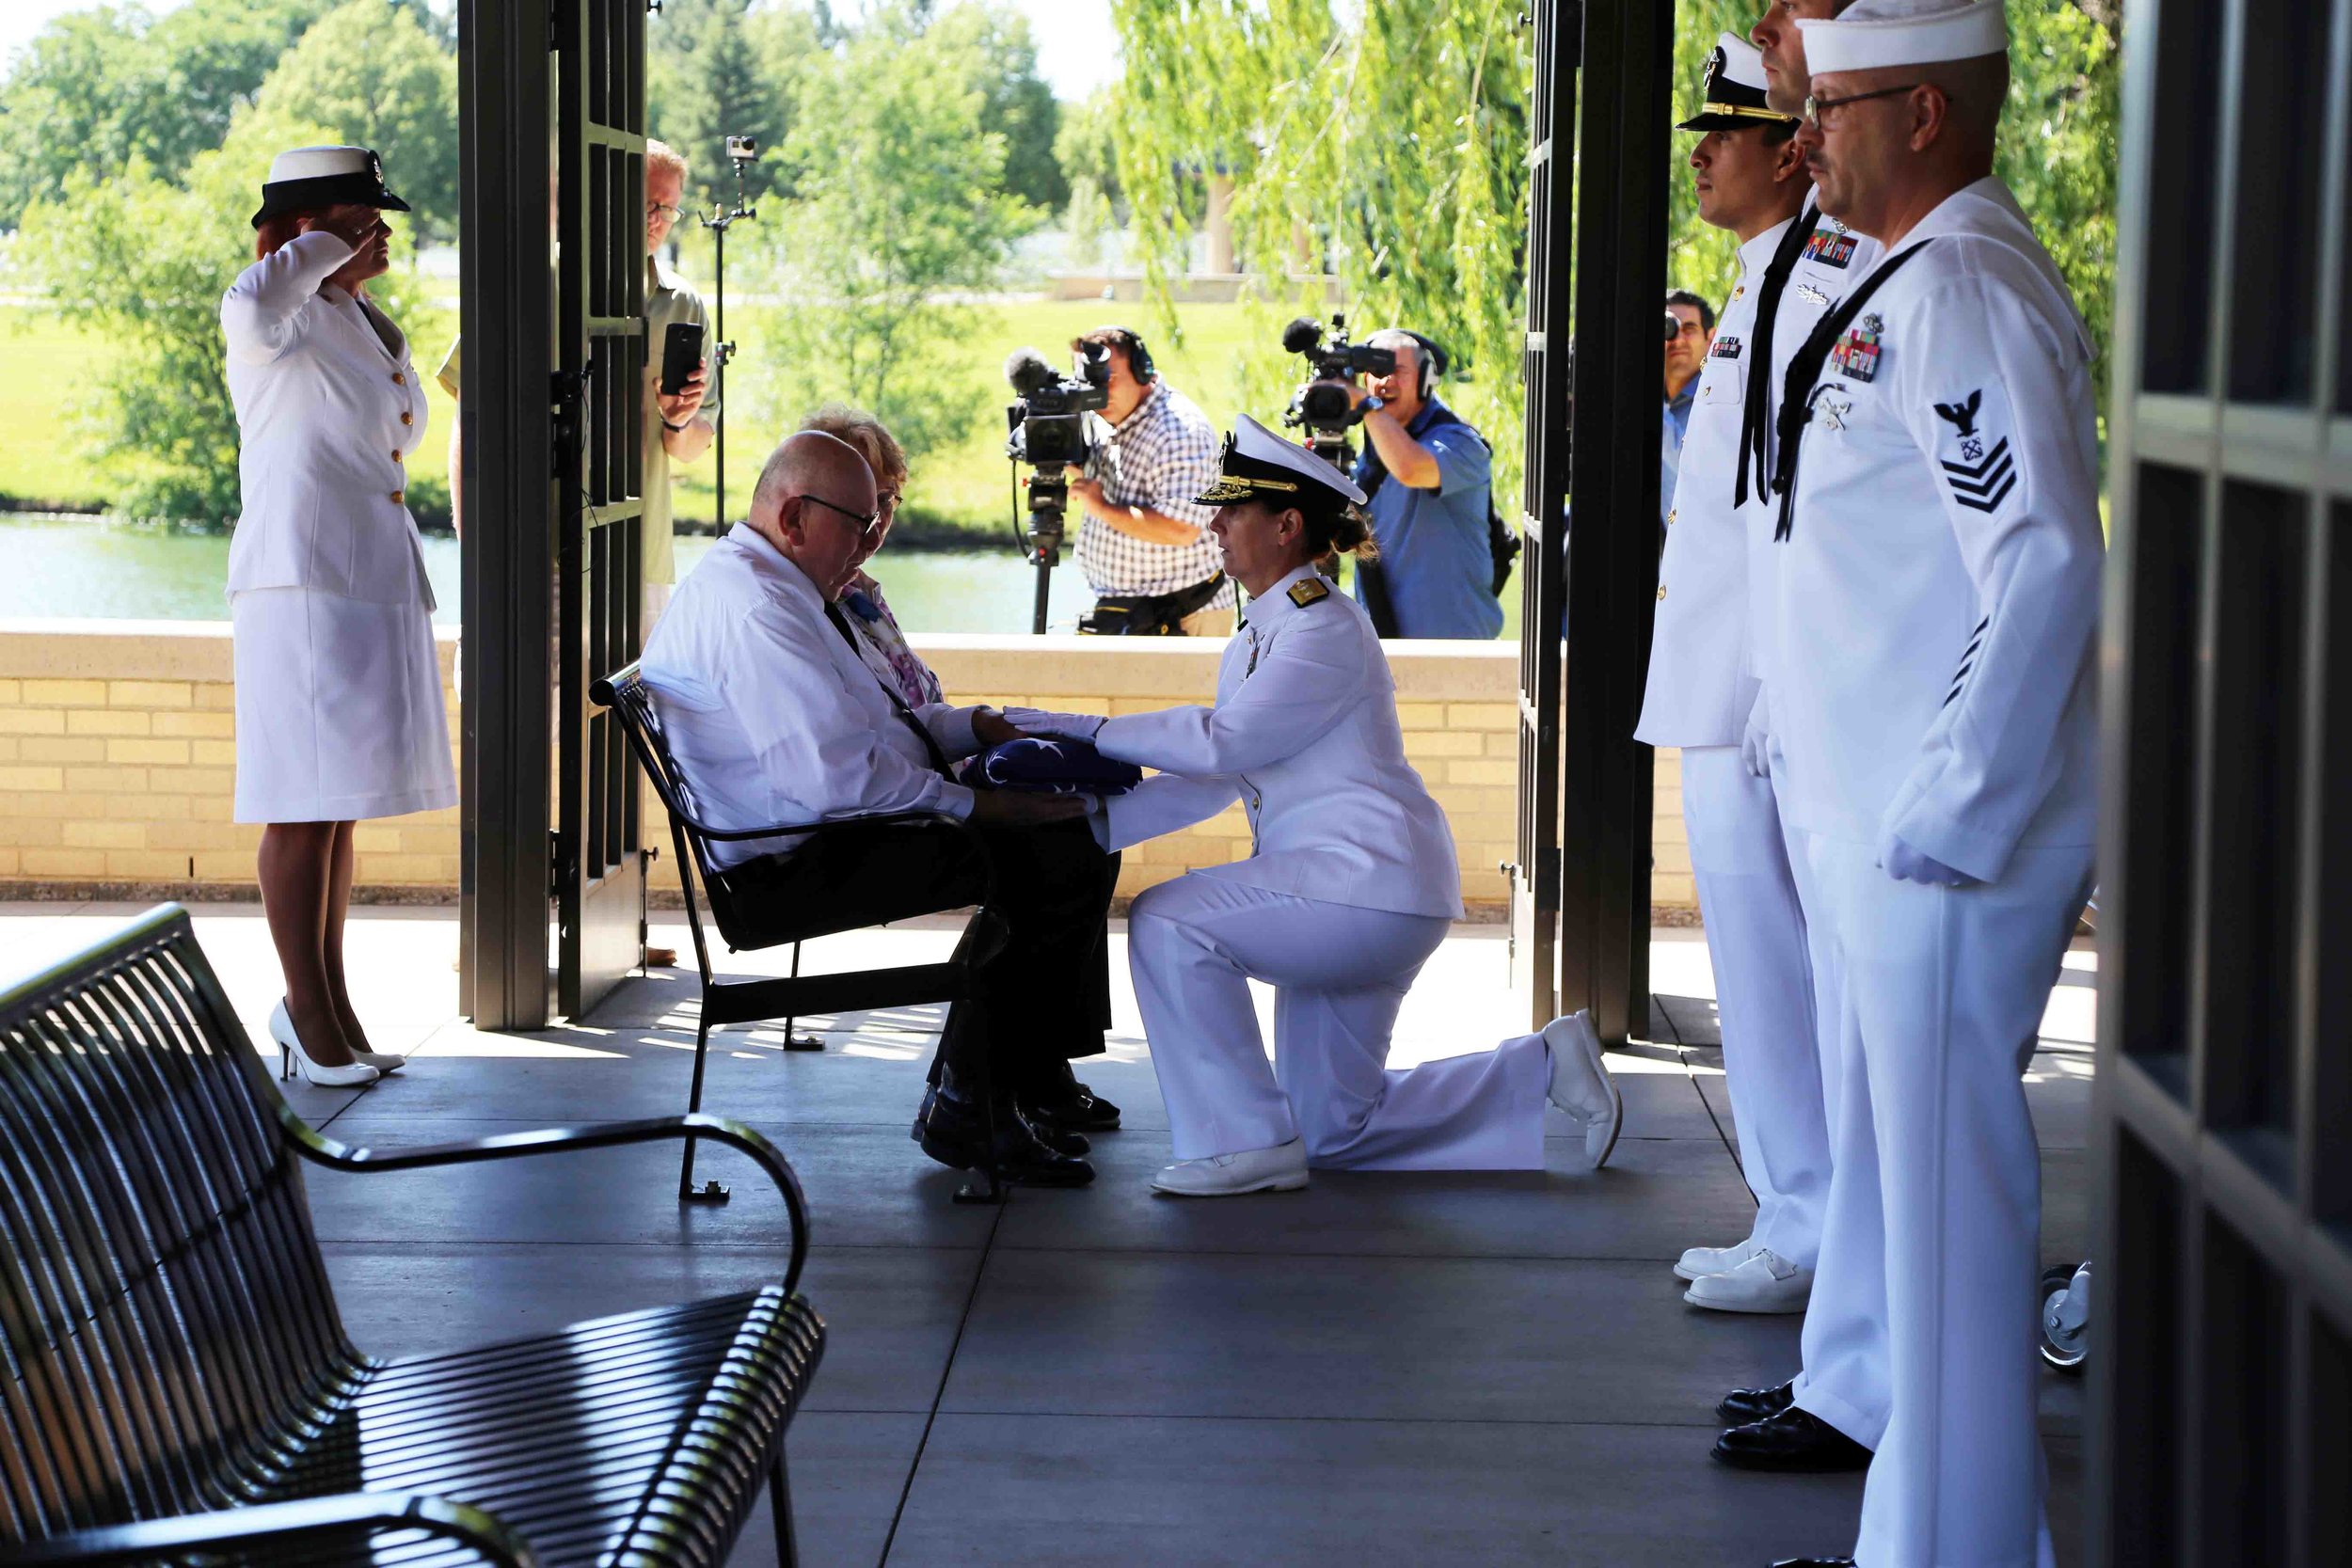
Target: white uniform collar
<point>1268,610</point>
<point>1965,211</point>
<point>1756,254</point>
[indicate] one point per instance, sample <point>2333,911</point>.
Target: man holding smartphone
<point>679,425</point>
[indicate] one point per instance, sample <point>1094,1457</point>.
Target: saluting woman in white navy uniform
<point>338,694</point>
<point>1350,886</point>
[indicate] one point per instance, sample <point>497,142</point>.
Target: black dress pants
<point>1045,998</point>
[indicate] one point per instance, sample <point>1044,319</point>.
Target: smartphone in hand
<point>681,356</point>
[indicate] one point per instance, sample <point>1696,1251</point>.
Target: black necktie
<point>1796,398</point>
<point>930,747</point>
<point>1756,420</point>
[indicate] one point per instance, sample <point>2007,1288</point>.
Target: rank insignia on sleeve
<point>1831,249</point>
<point>1984,472</point>
<point>1857,355</point>
<point>1726,348</point>
<point>1306,590</point>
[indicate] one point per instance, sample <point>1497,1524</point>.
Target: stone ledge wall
<point>118,757</point>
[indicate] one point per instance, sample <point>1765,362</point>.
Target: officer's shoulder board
<point>1306,590</point>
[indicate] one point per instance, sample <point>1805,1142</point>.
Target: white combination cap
<point>1258,465</point>
<point>1870,34</point>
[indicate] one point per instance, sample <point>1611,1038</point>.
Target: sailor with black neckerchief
<point>1749,176</point>
<point>1938,486</point>
<point>1350,886</point>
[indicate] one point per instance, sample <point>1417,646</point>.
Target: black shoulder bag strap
<point>1797,394</point>
<point>930,747</point>
<point>1756,435</point>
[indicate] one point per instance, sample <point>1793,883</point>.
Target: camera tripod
<point>1049,513</point>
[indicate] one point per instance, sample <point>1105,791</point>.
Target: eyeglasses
<point>1817,109</point>
<point>658,210</point>
<point>868,523</point>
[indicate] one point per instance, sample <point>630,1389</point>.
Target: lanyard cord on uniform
<point>1756,419</point>
<point>1796,396</point>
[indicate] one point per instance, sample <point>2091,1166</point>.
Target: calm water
<point>74,568</point>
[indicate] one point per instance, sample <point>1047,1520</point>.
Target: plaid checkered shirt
<point>1160,456</point>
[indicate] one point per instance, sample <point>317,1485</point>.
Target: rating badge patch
<point>1976,460</point>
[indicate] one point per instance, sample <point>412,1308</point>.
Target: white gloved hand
<point>1755,744</point>
<point>1065,726</point>
<point>1906,864</point>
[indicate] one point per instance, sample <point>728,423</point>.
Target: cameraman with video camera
<point>1428,476</point>
<point>1144,542</point>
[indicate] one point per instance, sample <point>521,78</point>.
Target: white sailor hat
<point>1732,95</point>
<point>325,177</point>
<point>1258,465</point>
<point>1873,33</point>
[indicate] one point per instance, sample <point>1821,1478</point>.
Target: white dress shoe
<point>282,1029</point>
<point>1280,1170</point>
<point>1766,1282</point>
<point>1580,1084</point>
<point>1699,1262</point>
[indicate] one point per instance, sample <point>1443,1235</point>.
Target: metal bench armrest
<point>316,1146</point>
<point>289,1524</point>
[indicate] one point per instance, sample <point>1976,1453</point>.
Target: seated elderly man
<point>773,717</point>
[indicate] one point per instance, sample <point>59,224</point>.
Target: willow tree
<point>1390,150</point>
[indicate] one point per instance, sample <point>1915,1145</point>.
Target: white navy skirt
<point>340,712</point>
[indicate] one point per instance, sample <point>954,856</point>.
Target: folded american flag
<point>1048,766</point>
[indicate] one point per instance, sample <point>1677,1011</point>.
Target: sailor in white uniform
<point>1350,886</point>
<point>1749,178</point>
<point>1942,551</point>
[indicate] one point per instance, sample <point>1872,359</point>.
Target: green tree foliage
<point>2059,149</point>
<point>898,198</point>
<point>1086,150</point>
<point>374,78</point>
<point>1016,103</point>
<point>144,260</point>
<point>718,69</point>
<point>97,88</point>
<point>1393,149</point>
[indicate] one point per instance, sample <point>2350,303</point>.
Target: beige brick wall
<point>117,755</point>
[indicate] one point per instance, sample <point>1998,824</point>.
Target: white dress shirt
<point>1940,584</point>
<point>773,717</point>
<point>329,410</point>
<point>1305,734</point>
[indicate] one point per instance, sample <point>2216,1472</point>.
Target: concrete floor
<point>1476,1369</point>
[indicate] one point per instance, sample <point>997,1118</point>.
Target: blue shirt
<point>1434,555</point>
<point>1670,441</point>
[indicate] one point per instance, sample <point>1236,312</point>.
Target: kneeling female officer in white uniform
<point>1350,886</point>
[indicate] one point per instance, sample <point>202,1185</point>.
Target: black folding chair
<point>760,1001</point>
<point>176,1384</point>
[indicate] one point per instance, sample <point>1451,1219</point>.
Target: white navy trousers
<point>1935,1211</point>
<point>1756,941</point>
<point>1340,975</point>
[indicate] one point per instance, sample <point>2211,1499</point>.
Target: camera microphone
<point>1301,337</point>
<point>1027,371</point>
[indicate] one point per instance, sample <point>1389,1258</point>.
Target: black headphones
<point>1139,357</point>
<point>1432,357</point>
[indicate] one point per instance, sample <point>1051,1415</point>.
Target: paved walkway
<point>1434,1369</point>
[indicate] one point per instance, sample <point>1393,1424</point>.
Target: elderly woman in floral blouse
<point>881,643</point>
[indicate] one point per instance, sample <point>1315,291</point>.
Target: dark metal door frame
<point>2223,1318</point>
<point>600,293</point>
<point>1543,513</point>
<point>506,318</point>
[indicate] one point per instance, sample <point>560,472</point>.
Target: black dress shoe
<point>1060,1143</point>
<point>1742,1405</point>
<point>1793,1441</point>
<point>1078,1109</point>
<point>955,1136</point>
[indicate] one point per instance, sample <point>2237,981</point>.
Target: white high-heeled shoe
<point>292,1056</point>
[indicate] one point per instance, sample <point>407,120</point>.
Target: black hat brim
<point>1732,122</point>
<point>358,189</point>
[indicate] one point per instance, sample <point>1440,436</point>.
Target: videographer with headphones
<point>1428,475</point>
<point>1144,543</point>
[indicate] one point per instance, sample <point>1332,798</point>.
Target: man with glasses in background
<point>773,716</point>
<point>678,426</point>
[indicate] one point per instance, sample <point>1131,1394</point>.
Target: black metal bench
<point>175,1381</point>
<point>796,996</point>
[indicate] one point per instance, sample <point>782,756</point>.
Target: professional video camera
<point>1325,410</point>
<point>1048,431</point>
